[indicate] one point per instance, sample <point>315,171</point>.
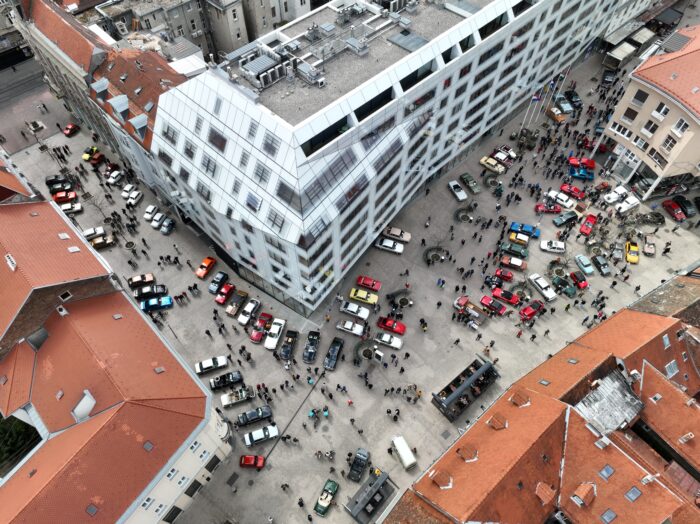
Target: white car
<point>134,198</point>
<point>457,190</point>
<point>248,311</point>
<point>72,207</point>
<point>502,159</point>
<point>157,221</point>
<point>388,339</point>
<point>389,245</point>
<point>93,232</point>
<point>350,327</point>
<point>210,364</point>
<point>553,246</point>
<point>355,310</point>
<point>127,190</point>
<point>540,284</point>
<point>150,213</point>
<point>561,199</point>
<point>114,177</point>
<point>261,435</point>
<point>619,193</point>
<point>627,205</point>
<point>397,234</point>
<point>274,334</point>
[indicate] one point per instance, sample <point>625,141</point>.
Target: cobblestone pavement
<point>434,358</point>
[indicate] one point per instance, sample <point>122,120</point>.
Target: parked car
<point>508,151</point>
<point>140,280</point>
<point>514,263</point>
<point>387,339</point>
<point>492,165</point>
<point>542,286</point>
<point>63,197</point>
<point>649,248</point>
<point>313,339</point>
<point>555,114</point>
<point>502,158</point>
<point>504,274</point>
<point>58,187</point>
<point>601,264</point>
<point>617,251</point>
<point>608,77</point>
<point>561,199</point>
<point>519,238</point>
<point>127,190</point>
<point>470,182</point>
<point>389,245</point>
<point>146,292</point>
<point>219,280</point>
<point>565,218</point>
<point>689,210</point>
<point>532,309</point>
<point>632,252</point>
<point>587,226</point>
<point>584,264</point>
<point>114,178</point>
<point>363,296</point>
<point>355,310</point>
<point>562,285</point>
<point>289,342</point>
<point>358,465</point>
<point>351,327</point>
<point>617,194</point>
<point>252,461</point>
<point>573,191</point>
<point>513,249</point>
<point>492,281</point>
<point>397,234</point>
<point>168,226</point>
<point>135,198</point>
<point>563,104</point>
<point>55,179</point>
<point>72,207</point>
<point>392,325</point>
<point>150,213</point>
<point>210,364</point>
<point>330,488</point>
<point>226,380</point>
<point>156,304</point>
<point>553,246</point>
<point>261,435</point>
<point>248,311</point>
<point>490,304</point>
<point>628,204</point>
<point>573,97</point>
<point>224,293</point>
<point>331,360</point>
<point>93,232</point>
<point>89,152</point>
<point>526,229</point>
<point>158,220</point>
<point>262,324</point>
<point>579,279</point>
<point>457,190</point>
<point>369,283</point>
<point>505,296</point>
<point>102,242</point>
<point>71,129</point>
<point>254,415</point>
<point>541,208</point>
<point>205,267</point>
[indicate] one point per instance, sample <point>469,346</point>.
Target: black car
<point>219,280</point>
<point>288,344</point>
<point>493,281</point>
<point>255,415</point>
<point>146,292</point>
<point>565,218</point>
<point>311,347</point>
<point>359,463</point>
<point>331,360</point>
<point>60,186</point>
<point>601,264</point>
<point>55,179</point>
<point>572,96</point>
<point>686,205</point>
<point>608,77</point>
<point>227,379</point>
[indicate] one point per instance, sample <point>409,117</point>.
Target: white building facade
<point>300,147</point>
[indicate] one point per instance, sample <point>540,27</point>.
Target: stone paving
<point>434,358</point>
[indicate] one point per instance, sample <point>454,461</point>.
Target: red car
<point>225,293</point>
<point>504,274</point>
<point>71,129</point>
<point>252,461</point>
<point>544,208</point>
<point>369,283</point>
<point>505,296</point>
<point>491,304</point>
<point>588,224</point>
<point>573,191</point>
<point>63,197</point>
<point>579,279</point>
<point>534,308</point>
<point>674,210</point>
<point>262,324</point>
<point>97,159</point>
<point>392,325</point>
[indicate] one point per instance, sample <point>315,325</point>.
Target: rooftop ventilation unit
<point>685,438</point>
<point>121,28</point>
<point>313,33</point>
<point>82,410</point>
<point>359,47</point>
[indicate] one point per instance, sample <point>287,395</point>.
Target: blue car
<point>581,173</point>
<point>156,304</point>
<point>526,229</point>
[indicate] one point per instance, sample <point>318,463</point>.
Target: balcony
<point>644,131</point>
<point>657,116</point>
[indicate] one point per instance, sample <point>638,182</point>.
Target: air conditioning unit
<point>685,438</point>
<point>636,375</point>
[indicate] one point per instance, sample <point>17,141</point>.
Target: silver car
<point>389,245</point>
<point>457,190</point>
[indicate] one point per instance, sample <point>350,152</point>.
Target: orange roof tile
<point>17,369</point>
<point>674,416</point>
<point>510,464</point>
<point>545,493</point>
<point>410,509</point>
<point>19,224</point>
<point>10,184</point>
<point>677,73</point>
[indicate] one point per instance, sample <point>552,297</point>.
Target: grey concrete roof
<point>610,406</point>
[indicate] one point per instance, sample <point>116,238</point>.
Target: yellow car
<point>492,165</point>
<point>363,296</point>
<point>555,114</point>
<point>632,252</point>
<point>519,238</point>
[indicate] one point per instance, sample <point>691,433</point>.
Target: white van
<point>403,452</point>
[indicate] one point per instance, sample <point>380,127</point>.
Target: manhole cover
<point>251,482</point>
<point>325,428</point>
<point>87,196</point>
<point>232,479</point>
<point>445,434</point>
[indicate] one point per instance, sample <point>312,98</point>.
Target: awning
<point>622,51</point>
<point>641,37</point>
<point>623,32</point>
<point>653,12</point>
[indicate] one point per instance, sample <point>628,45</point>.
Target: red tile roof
<point>677,73</point>
<point>19,224</point>
<point>17,368</point>
<point>10,185</point>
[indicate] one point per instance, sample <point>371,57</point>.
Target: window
<point>465,70</point>
<point>544,382</point>
<point>198,125</point>
<point>261,173</point>
<point>238,34</point>
<point>621,130</point>
<point>660,112</point>
<point>252,130</point>
<point>273,12</point>
<point>147,502</point>
<point>243,162</point>
<point>217,140</point>
<point>271,144</point>
<point>671,369</point>
<point>65,297</point>
<point>608,516</point>
<point>204,191</point>
<point>234,14</point>
<point>640,97</point>
<point>212,464</point>
<point>656,157</point>
<point>184,175</point>
<point>685,356</point>
<point>236,187</point>
<point>285,7</point>
<point>641,144</point>
<point>669,143</point>
<point>193,25</point>
<point>180,31</point>
<point>650,127</point>
<point>633,494</point>
<point>680,127</point>
<point>217,106</point>
<point>264,20</point>
<point>629,115</point>
<point>165,158</point>
<point>183,480</point>
<point>172,473</point>
<point>607,472</point>
<point>209,165</point>
<point>170,134</point>
<point>190,149</point>
<point>253,202</point>
<point>275,220</point>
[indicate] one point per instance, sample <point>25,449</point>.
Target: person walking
<point>519,333</point>
<point>533,337</point>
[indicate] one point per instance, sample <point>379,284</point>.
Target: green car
<point>563,285</point>
<point>514,249</point>
<point>470,182</point>
<point>324,501</point>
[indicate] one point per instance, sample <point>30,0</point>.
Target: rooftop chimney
<point>545,493</point>
<point>442,479</point>
<point>468,452</point>
<point>497,421</point>
<point>520,398</point>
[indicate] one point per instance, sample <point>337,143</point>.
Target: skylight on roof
<point>608,516</point>
<point>573,361</point>
<point>607,472</point>
<point>63,236</point>
<point>633,494</point>
<point>544,382</point>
